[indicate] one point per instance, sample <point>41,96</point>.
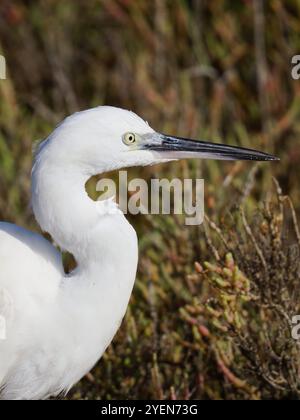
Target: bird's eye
<point>129,139</point>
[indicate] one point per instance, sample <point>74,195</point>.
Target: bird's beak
<point>171,147</point>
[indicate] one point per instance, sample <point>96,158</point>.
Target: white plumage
<point>57,326</point>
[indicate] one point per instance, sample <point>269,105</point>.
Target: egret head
<point>108,138</point>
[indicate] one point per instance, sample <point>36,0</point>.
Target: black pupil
<point>130,138</point>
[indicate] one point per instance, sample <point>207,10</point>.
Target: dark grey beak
<point>180,148</point>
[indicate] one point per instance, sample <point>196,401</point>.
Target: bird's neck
<point>103,243</point>
<point>62,207</point>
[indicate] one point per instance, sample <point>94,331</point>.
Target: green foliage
<point>215,70</point>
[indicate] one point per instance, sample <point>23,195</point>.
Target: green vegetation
<point>210,316</point>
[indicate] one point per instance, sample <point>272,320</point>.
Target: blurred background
<point>210,313</point>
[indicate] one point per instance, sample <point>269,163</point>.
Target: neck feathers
<point>61,205</point>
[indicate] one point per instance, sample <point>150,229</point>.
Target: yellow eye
<point>129,139</point>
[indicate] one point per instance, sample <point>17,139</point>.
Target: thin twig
<point>250,183</point>
<point>215,228</point>
<point>253,240</point>
<point>210,244</point>
<point>294,217</point>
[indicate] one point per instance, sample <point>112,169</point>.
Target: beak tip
<point>275,159</point>
<point>264,157</point>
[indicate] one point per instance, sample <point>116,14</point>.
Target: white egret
<point>57,326</point>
